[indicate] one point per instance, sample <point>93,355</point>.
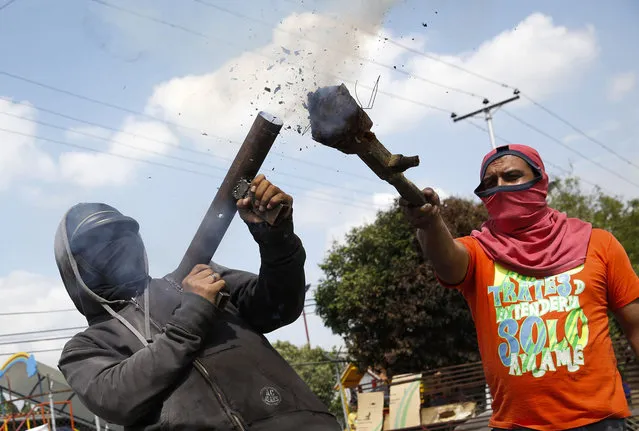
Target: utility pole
<point>51,404</point>
<point>308,339</point>
<point>342,398</point>
<point>487,110</point>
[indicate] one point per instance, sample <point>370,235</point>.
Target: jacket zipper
<point>207,377</point>
<point>218,393</point>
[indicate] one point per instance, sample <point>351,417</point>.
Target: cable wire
<point>490,80</point>
<point>43,331</point>
<point>546,161</point>
<point>168,156</point>
<point>558,141</point>
<point>57,349</point>
<point>314,194</point>
<point>319,43</point>
<point>20,313</point>
<point>7,4</point>
<point>36,340</point>
<point>580,131</point>
<point>151,117</point>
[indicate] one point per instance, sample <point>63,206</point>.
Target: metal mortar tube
<point>218,218</point>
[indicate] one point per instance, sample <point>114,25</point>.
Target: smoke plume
<point>307,51</point>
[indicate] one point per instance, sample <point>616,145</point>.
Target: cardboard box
<point>370,411</point>
<point>405,402</point>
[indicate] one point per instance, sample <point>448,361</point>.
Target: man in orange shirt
<point>539,285</point>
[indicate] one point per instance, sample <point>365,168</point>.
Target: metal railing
<point>457,397</point>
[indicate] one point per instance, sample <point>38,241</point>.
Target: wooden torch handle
<point>407,189</point>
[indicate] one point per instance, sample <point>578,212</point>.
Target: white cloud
<point>20,156</point>
<point>537,56</point>
<point>306,51</point>
<point>137,139</point>
<point>620,85</point>
<point>336,218</point>
<point>25,291</point>
<point>607,127</point>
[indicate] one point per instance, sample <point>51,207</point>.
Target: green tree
<point>379,294</point>
<point>312,365</point>
<point>603,211</point>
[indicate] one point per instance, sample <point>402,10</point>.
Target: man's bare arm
<point>628,318</point>
<point>449,257</point>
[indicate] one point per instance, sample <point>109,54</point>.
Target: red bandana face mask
<point>515,211</point>
<point>523,233</point>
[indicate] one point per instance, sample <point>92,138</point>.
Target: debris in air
<point>267,89</point>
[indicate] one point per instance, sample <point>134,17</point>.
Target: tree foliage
<point>312,365</point>
<point>379,294</point>
<point>603,211</point>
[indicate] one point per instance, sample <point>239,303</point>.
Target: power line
<point>102,138</point>
<point>7,4</point>
<point>558,141</point>
<point>58,349</point>
<point>394,96</point>
<point>170,123</point>
<point>112,129</point>
<point>37,340</point>
<point>487,111</point>
<point>319,43</point>
<point>158,21</point>
<point>168,156</point>
<point>191,128</point>
<point>580,131</point>
<point>178,168</point>
<point>546,161</point>
<point>418,52</point>
<point>317,195</point>
<point>496,82</point>
<point>43,331</point>
<point>20,313</point>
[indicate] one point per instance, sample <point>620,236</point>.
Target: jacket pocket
<point>213,350</point>
<point>258,386</point>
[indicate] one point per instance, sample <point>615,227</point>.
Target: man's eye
<point>489,183</point>
<point>513,176</point>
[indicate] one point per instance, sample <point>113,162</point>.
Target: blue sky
<point>203,69</point>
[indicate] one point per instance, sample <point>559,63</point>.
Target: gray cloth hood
<point>82,221</point>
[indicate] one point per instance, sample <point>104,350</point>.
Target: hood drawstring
<point>126,323</point>
<point>106,304</point>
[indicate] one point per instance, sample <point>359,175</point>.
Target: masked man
<point>162,355</point>
<point>539,286</point>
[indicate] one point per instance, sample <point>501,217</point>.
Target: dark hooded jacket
<point>171,360</point>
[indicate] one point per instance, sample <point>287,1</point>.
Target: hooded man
<point>539,286</point>
<point>163,354</point>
